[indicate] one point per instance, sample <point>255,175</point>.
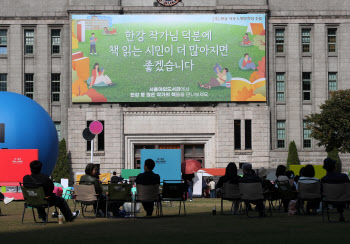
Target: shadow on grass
<point>198,226</point>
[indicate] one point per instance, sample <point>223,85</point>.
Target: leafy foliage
<point>331,127</point>
<point>62,168</point>
<point>293,158</point>
<point>335,156</point>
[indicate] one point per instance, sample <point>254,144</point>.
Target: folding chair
<point>86,195</point>
<point>174,190</point>
<point>336,195</point>
<point>285,192</point>
<point>34,197</point>
<point>310,192</point>
<point>118,193</point>
<point>252,193</point>
<point>232,193</point>
<point>148,193</point>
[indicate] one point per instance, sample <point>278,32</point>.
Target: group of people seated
<point>306,176</point>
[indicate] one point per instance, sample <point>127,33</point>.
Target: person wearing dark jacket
<point>148,178</point>
<point>333,177</point>
<point>230,177</point>
<point>35,180</point>
<point>249,177</point>
<point>90,178</point>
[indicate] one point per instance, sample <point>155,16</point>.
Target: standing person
<point>190,189</point>
<point>36,179</point>
<point>148,178</point>
<point>212,188</point>
<point>93,41</point>
<point>333,177</point>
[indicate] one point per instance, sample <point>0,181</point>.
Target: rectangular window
<point>279,40</point>
<point>2,133</point>
<point>55,87</point>
<point>29,85</point>
<point>332,40</point>
<point>55,41</point>
<point>28,41</point>
<point>248,134</point>
<point>280,86</point>
<point>306,86</point>
<point>3,82</point>
<point>3,41</point>
<point>281,133</point>
<point>237,134</point>
<point>99,141</point>
<point>306,135</point>
<point>58,129</point>
<point>332,81</point>
<point>305,40</point>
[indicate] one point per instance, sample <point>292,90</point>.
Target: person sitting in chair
<point>35,180</point>
<point>148,178</point>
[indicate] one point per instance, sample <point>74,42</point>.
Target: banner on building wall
<point>168,58</point>
<point>168,162</point>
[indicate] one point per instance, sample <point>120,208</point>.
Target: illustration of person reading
<point>246,40</point>
<point>247,62</point>
<point>98,76</point>
<point>113,31</point>
<point>214,82</point>
<point>93,41</point>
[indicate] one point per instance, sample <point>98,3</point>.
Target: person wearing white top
<point>212,188</point>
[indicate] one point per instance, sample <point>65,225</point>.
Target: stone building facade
<point>307,55</point>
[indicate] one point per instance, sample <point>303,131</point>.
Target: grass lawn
<point>199,226</point>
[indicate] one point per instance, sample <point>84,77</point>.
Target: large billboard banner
<point>168,58</point>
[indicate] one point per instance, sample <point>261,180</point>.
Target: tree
<point>62,168</point>
<point>293,158</point>
<point>335,156</point>
<point>331,127</point>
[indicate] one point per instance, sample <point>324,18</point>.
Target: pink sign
<point>96,127</point>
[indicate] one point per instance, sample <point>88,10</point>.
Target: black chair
<point>174,190</point>
<point>252,193</point>
<point>231,193</point>
<point>34,197</point>
<point>86,195</point>
<point>118,193</point>
<point>310,192</point>
<point>337,195</point>
<point>148,193</point>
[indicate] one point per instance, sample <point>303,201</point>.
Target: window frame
<point>332,80</point>
<point>58,129</point>
<point>278,74</point>
<point>306,135</point>
<point>53,40</point>
<point>3,80</point>
<point>281,129</point>
<point>237,134</point>
<point>304,91</point>
<point>332,43</point>
<point>306,44</point>
<point>7,42</point>
<point>28,38</point>
<point>282,44</point>
<point>26,82</point>
<point>53,82</point>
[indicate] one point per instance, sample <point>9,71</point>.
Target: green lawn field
<point>129,73</point>
<point>199,226</point>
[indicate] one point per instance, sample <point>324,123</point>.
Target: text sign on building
<point>168,58</point>
<point>168,162</point>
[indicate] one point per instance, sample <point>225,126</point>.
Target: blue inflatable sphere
<point>28,126</point>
